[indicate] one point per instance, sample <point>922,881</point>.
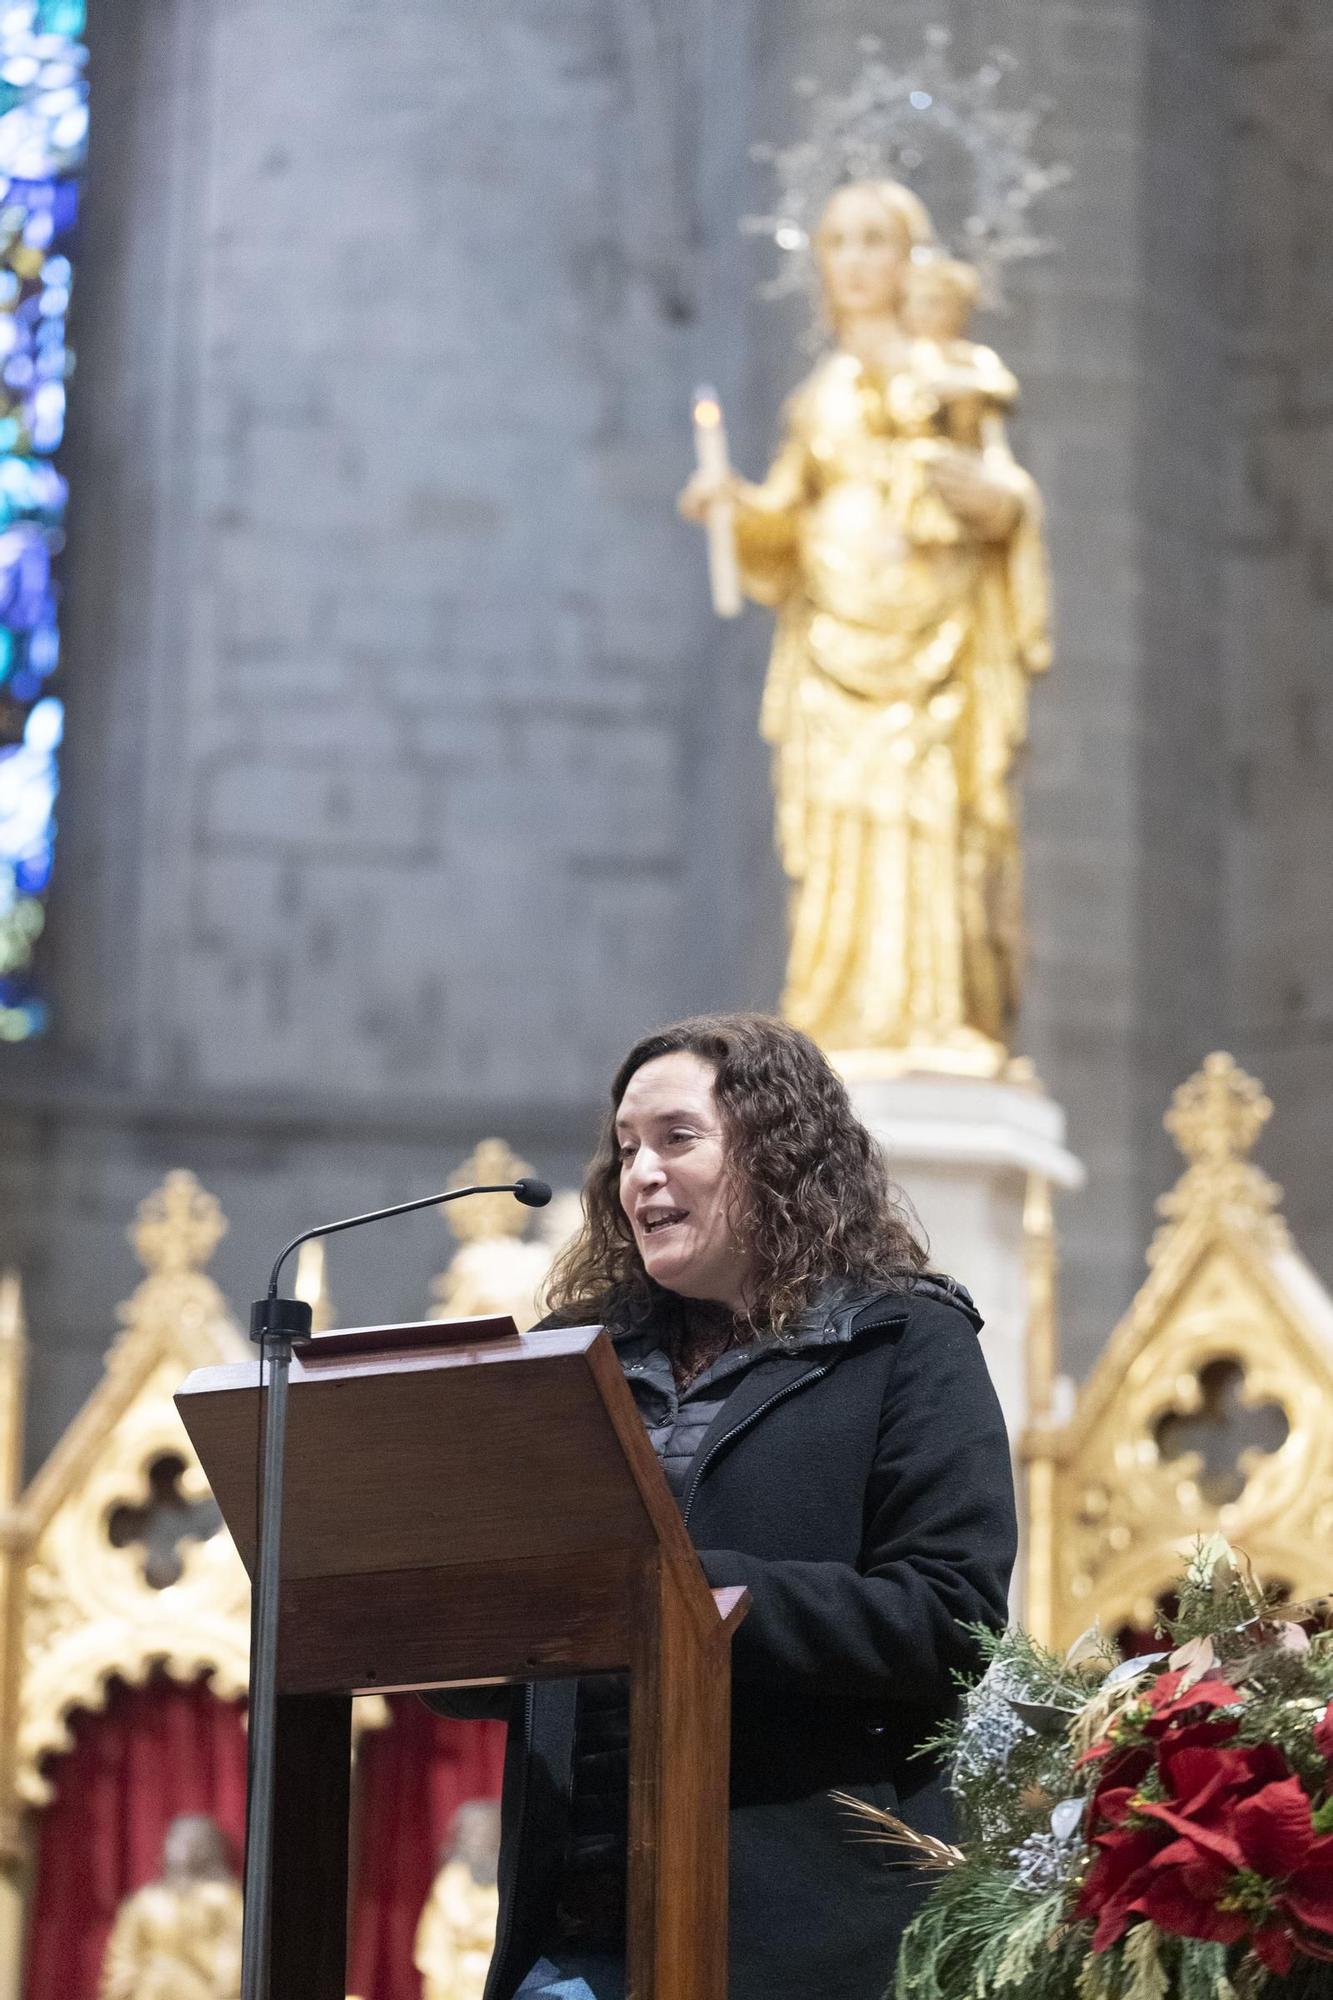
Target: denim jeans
<point>579,1975</point>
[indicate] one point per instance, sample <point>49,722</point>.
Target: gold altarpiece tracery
<point>1211,1408</point>
<point>1229,1343</point>
<point>81,1579</point>
<point>111,1566</point>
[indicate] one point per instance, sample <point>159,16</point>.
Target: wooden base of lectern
<point>473,1504</point>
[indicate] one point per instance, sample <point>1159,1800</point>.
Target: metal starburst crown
<point>968,156</point>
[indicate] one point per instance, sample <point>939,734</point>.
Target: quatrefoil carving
<point>164,1522</point>
<point>1222,1428</point>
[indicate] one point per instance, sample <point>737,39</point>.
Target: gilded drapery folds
<point>897,698</point>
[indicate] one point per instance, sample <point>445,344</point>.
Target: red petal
<point>1167,1902</point>
<point>1309,1897</point>
<point>1123,1773</point>
<point>1219,1770</point>
<point>1274,1830</point>
<point>1273,1947</point>
<point>1204,1694</point>
<point>1115,1875</point>
<point>1323,1732</point>
<point>1112,1924</point>
<point>1195,1776</point>
<point>1112,1804</point>
<point>1206,1837</point>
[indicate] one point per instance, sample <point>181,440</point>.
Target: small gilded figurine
<point>179,1938</point>
<point>456,1934</point>
<point>901,546</point>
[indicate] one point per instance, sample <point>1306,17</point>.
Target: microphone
<point>289,1319</point>
<point>274,1324</point>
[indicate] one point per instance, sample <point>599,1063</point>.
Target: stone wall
<point>1279,572</point>
<point>409,775</point>
<point>393,801</point>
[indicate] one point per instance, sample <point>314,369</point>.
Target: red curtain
<point>165,1749</point>
<point>411,1779</point>
<point>156,1751</point>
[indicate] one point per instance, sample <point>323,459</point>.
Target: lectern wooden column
<point>467,1503</point>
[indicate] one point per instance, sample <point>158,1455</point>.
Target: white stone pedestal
<point>965,1151</point>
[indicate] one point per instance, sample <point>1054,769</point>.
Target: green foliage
<point>1001,1923</point>
<point>1217,1594</point>
<point>1145,1976</point>
<point>979,1937</point>
<point>1004,1798</point>
<point>1202,1972</point>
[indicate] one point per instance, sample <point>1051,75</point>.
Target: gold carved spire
<point>1207,1412</point>
<point>175,1231</point>
<point>487,1216</point>
<point>1215,1119</point>
<point>178,1227</point>
<point>494,1269</point>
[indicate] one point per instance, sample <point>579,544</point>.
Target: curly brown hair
<point>812,1194</point>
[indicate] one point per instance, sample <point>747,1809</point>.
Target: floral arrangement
<point>1152,1828</point>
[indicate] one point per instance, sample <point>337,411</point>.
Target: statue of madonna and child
<point>901,546</point>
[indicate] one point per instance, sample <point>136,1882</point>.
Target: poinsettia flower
<point>1170,1696</point>
<point>1184,1897</point>
<point>1229,1852</point>
<point>1240,1865</point>
<point>1205,1789</point>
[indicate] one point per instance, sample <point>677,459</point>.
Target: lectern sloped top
<point>461,1502</point>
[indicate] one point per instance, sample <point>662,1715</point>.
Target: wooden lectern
<point>467,1503</point>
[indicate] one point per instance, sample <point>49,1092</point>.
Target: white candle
<point>710,451</point>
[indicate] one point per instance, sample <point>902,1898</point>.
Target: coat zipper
<point>529,1711</point>
<point>779,1396</point>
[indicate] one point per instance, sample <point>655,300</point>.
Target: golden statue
<point>456,1934</point>
<point>180,1937</point>
<point>901,546</point>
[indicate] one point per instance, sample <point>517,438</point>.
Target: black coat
<point>860,1488</point>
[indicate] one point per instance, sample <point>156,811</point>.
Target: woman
<point>904,559</point>
<point>824,1417</point>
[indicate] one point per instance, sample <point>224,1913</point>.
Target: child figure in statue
<point>939,297</point>
<point>901,546</point>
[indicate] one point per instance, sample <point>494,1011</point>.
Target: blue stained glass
<point>43,140</point>
<point>62,17</point>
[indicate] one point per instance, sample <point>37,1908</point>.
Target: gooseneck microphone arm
<point>275,1323</point>
<point>532,1193</point>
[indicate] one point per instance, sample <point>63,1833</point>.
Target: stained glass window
<point>43,141</point>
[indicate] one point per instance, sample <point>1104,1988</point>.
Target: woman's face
<point>675,1181</point>
<point>863,251</point>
